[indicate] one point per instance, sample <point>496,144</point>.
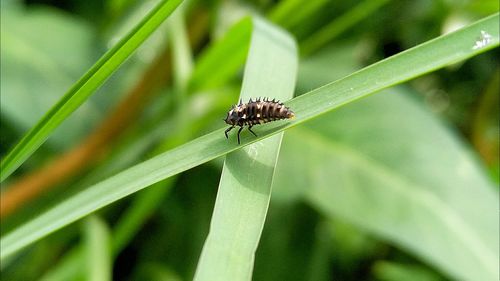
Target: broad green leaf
<point>315,70</point>
<point>82,89</point>
<point>245,186</point>
<point>98,250</point>
<point>386,166</point>
<point>429,56</point>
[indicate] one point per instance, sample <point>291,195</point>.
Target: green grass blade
<point>125,229</point>
<point>181,50</point>
<point>68,267</point>
<point>98,249</point>
<point>209,73</point>
<point>84,87</point>
<point>336,27</point>
<point>390,271</point>
<point>245,186</point>
<point>429,56</point>
<point>424,58</point>
<point>301,11</point>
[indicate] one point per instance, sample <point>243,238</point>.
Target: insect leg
<point>228,129</point>
<point>239,131</point>
<point>250,129</point>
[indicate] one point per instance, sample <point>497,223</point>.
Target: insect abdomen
<point>259,112</point>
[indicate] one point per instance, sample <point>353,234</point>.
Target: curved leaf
<point>245,186</point>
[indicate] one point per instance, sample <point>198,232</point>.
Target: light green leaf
<point>82,89</point>
<point>386,166</point>
<point>245,187</point>
<point>181,50</point>
<point>98,249</point>
<point>414,62</point>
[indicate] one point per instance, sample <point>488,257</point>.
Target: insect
<point>255,113</point>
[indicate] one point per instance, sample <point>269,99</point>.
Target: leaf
<point>301,11</point>
<point>245,186</point>
<point>39,63</point>
<point>414,62</point>
<point>315,71</point>
<point>386,166</point>
<point>125,229</point>
<point>343,23</point>
<point>181,50</point>
<point>98,249</point>
<point>209,73</point>
<point>388,271</point>
<point>82,89</point>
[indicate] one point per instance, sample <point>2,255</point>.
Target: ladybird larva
<point>255,113</point>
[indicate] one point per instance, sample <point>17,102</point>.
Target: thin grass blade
<point>208,72</point>
<point>336,27</point>
<point>84,87</point>
<point>98,250</point>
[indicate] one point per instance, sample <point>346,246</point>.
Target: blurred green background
<point>359,193</point>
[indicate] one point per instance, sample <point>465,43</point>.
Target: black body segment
<point>255,113</point>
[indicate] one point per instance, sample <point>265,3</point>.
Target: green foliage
<point>98,257</point>
<point>47,68</point>
<point>399,192</point>
<point>364,187</point>
<point>84,87</point>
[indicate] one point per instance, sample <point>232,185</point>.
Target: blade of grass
<point>301,10</point>
<point>84,87</point>
<point>123,232</point>
<point>245,186</point>
<point>332,30</point>
<point>147,201</point>
<point>424,58</point>
<point>391,271</point>
<point>97,249</point>
<point>182,55</point>
<point>233,47</point>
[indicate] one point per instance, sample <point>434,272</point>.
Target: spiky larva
<point>255,113</point>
